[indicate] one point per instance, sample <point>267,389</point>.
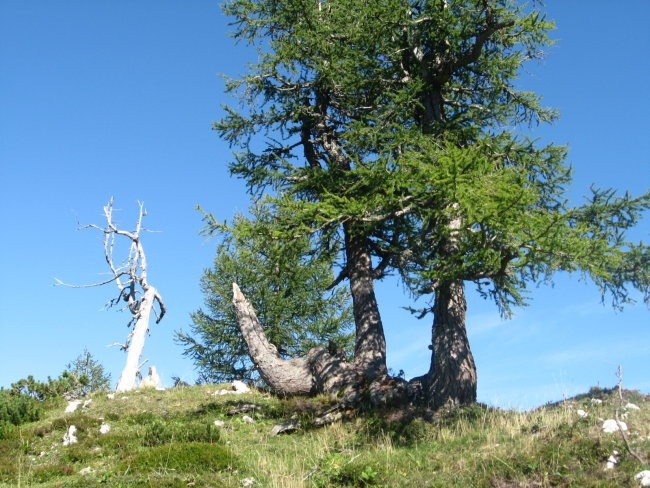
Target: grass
<point>168,439</point>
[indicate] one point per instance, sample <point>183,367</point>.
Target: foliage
<point>82,376</point>
<point>86,367</point>
<point>287,283</point>
<point>408,124</point>
<point>17,409</point>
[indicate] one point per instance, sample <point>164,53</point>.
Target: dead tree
<point>134,290</point>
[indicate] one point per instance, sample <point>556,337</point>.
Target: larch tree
<point>134,290</point>
<point>394,130</point>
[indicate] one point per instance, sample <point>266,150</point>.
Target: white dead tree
<point>134,290</point>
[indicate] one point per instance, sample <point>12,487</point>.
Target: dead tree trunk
<point>317,372</point>
<point>132,283</point>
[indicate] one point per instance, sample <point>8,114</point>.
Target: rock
<point>86,471</point>
<point>631,406</point>
<point>86,403</point>
<point>72,406</point>
<point>240,387</point>
<point>219,423</point>
<point>152,380</point>
<point>104,428</point>
<point>248,420</point>
<point>244,408</point>
<point>643,478</point>
<point>596,401</point>
<point>286,426</point>
<point>111,396</point>
<point>610,426</point>
<point>581,413</point>
<point>70,437</point>
<point>246,482</point>
<point>328,418</point>
<point>612,460</point>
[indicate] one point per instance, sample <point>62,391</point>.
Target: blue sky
<point>101,99</point>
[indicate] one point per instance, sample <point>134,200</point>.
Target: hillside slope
<point>169,438</point>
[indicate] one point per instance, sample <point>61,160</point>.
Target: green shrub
<point>16,409</point>
<point>82,376</point>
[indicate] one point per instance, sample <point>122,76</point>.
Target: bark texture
<point>370,342</point>
<point>317,372</point>
<point>451,381</point>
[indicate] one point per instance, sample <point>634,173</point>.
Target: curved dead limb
<point>317,372</point>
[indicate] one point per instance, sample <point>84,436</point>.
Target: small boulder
<point>581,413</point>
<point>610,426</point>
<point>643,478</point>
<point>104,428</point>
<point>72,406</point>
<point>70,437</point>
<point>240,387</point>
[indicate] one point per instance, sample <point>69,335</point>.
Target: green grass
<point>168,439</point>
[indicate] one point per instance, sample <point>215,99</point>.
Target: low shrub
<point>16,409</point>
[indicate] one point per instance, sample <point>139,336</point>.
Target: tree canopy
<point>396,131</point>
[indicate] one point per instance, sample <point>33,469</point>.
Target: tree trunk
<point>370,342</point>
<point>317,372</point>
<point>128,378</point>
<point>451,380</point>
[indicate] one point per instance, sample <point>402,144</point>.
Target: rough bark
<point>317,372</point>
<point>370,342</point>
<point>451,380</point>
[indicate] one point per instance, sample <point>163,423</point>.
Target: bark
<point>451,380</point>
<point>370,342</point>
<point>317,372</point>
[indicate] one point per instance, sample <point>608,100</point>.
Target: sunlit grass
<point>168,439</point>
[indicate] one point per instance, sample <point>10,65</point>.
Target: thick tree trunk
<point>451,380</point>
<point>317,372</point>
<point>128,378</point>
<point>370,342</point>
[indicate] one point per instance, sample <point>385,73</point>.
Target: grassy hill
<point>169,439</point>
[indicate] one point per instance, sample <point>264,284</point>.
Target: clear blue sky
<point>101,99</point>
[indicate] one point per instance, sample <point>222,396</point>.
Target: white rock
<point>86,471</point>
<point>612,460</point>
<point>246,482</point>
<point>610,426</point>
<point>596,401</point>
<point>632,406</point>
<point>111,396</point>
<point>104,428</point>
<point>581,413</point>
<point>219,423</point>
<point>240,387</point>
<point>643,478</point>
<point>70,437</point>
<point>247,419</point>
<point>86,403</point>
<point>72,406</point>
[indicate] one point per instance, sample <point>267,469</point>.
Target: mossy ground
<point>168,439</point>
